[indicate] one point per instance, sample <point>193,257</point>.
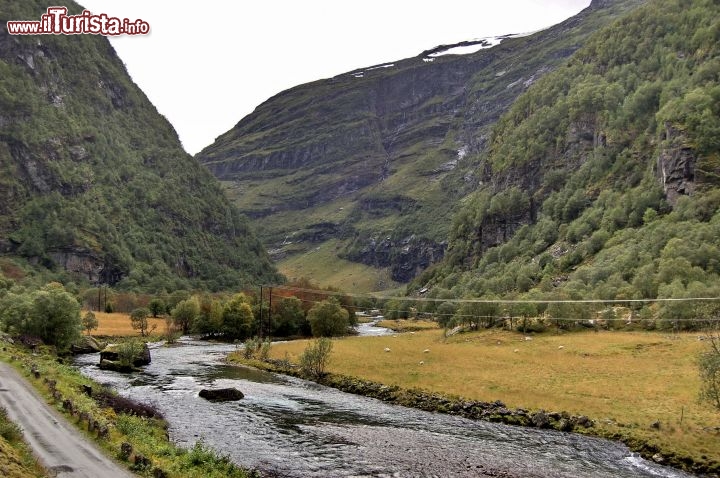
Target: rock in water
<point>86,345</point>
<point>221,394</point>
<point>111,352</point>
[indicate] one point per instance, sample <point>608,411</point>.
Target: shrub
<point>315,357</point>
<point>127,351</point>
<point>8,430</point>
<point>709,365</point>
<point>251,346</point>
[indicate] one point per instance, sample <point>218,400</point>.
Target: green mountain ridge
<point>94,182</point>
<point>603,180</point>
<point>374,161</point>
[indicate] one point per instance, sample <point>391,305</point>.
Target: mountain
<point>603,179</point>
<point>371,164</point>
<point>94,182</point>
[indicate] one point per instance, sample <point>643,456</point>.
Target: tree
<point>54,316</point>
<point>157,306</point>
<point>139,320</point>
<point>237,318</point>
<point>290,318</point>
<point>185,313</point>
<point>328,319</point>
<point>89,322</point>
<point>209,320</point>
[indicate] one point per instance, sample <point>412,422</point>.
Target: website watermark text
<point>57,22</point>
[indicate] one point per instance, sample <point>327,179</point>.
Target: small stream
<point>296,428</point>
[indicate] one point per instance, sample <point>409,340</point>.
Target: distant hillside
<point>603,179</point>
<point>373,162</point>
<point>94,181</point>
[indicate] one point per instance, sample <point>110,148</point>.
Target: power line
<point>533,317</point>
<point>498,301</point>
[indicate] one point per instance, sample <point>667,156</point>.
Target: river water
<point>291,427</point>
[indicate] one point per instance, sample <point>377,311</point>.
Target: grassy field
<point>405,325</point>
<point>322,265</point>
<point>117,324</point>
<point>625,381</point>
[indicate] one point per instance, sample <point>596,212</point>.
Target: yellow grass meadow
<point>625,381</point>
<point>117,324</point>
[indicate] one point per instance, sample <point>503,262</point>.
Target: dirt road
<point>59,446</point>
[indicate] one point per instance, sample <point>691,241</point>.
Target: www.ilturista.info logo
<point>57,22</point>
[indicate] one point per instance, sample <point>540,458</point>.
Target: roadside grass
<point>625,381</point>
<point>16,458</point>
<point>117,324</point>
<point>148,436</point>
<point>408,325</point>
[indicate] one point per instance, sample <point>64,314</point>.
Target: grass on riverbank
<point>148,436</point>
<point>408,325</point>
<point>16,458</point>
<point>625,381</point>
<point>117,324</point>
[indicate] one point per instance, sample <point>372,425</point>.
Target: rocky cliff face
<point>94,182</point>
<point>415,130</point>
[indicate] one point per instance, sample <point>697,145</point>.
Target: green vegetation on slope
<point>603,177</point>
<point>378,158</point>
<point>95,182</point>
<point>16,459</point>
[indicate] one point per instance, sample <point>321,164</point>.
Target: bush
<point>127,351</point>
<point>709,365</point>
<point>265,349</point>
<point>315,358</point>
<point>8,430</point>
<point>250,347</point>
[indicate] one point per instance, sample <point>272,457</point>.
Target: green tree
<point>210,318</point>
<point>54,316</point>
<point>185,313</point>
<point>89,322</point>
<point>139,320</point>
<point>290,318</point>
<point>157,306</point>
<point>237,319</point>
<point>328,319</point>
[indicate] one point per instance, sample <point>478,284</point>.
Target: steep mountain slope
<point>603,179</point>
<point>378,157</point>
<point>94,181</point>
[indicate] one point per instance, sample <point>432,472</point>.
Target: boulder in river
<point>221,394</point>
<point>86,345</point>
<point>110,357</point>
<point>112,353</point>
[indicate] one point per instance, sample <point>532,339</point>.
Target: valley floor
<point>637,386</point>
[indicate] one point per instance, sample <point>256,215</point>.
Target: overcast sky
<point>205,65</point>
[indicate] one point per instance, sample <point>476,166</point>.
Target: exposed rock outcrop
<point>364,138</point>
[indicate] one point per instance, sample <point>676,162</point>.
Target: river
<point>295,428</point>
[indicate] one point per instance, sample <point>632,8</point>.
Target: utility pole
<point>270,310</point>
<point>261,310</point>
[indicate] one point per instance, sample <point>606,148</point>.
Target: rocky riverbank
<point>495,411</point>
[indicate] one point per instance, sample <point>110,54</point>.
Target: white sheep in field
<point>387,349</point>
